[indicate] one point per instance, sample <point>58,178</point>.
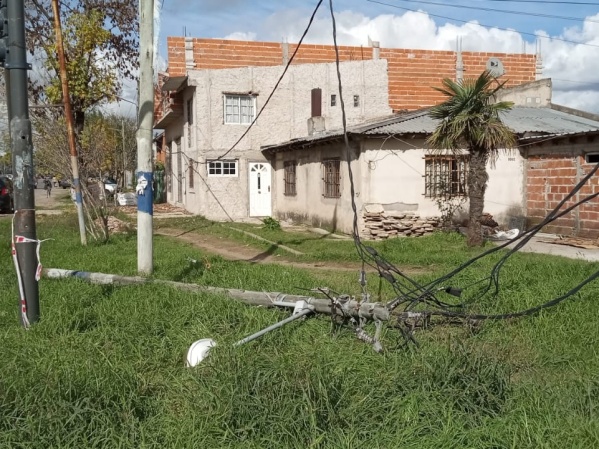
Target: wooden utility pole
<point>24,239</point>
<point>69,120</point>
<point>145,123</point>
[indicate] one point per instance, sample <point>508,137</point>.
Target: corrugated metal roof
<point>526,122</point>
<point>520,119</point>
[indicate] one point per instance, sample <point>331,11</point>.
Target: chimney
<point>316,120</point>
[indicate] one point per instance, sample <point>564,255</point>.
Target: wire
<point>277,83</point>
<point>503,11</point>
<point>483,25</point>
<point>544,2</point>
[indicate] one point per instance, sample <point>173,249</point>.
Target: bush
<point>271,224</point>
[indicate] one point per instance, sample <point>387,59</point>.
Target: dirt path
<point>43,202</point>
<point>232,250</point>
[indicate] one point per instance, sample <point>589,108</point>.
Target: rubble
<point>384,225</point>
<point>115,226</point>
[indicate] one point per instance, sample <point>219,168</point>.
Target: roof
<point>526,122</point>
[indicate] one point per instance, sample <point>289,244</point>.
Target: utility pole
<point>145,123</point>
<point>14,59</point>
<point>69,119</point>
<point>124,154</point>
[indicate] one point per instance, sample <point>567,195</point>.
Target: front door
<point>260,197</point>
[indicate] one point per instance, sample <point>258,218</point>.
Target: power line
<point>543,2</point>
<point>484,25</point>
<point>503,11</point>
<point>276,85</point>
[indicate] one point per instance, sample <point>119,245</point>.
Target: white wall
<point>309,205</point>
<point>284,118</point>
<point>393,176</point>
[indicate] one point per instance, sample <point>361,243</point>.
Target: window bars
<point>289,170</point>
<point>445,176</point>
<point>331,178</point>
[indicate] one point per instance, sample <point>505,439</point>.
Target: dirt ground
<point>228,249</point>
<point>232,250</point>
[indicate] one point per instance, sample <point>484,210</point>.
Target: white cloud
<point>241,36</point>
<point>573,67</point>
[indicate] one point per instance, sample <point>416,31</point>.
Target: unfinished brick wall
<point>412,73</point>
<point>549,179</point>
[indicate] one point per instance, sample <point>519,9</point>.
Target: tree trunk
<point>477,184</point>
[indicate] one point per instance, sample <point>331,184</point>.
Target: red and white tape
<point>18,239</point>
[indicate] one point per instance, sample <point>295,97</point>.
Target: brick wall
<point>412,73</point>
<point>549,179</point>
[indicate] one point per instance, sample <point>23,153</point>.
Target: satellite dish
<point>495,67</point>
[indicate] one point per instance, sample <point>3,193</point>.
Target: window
<point>356,101</point>
<point>331,178</point>
<point>222,168</point>
<point>289,177</point>
<point>445,176</point>
<point>591,158</point>
<point>333,100</point>
<point>240,109</point>
<point>190,174</point>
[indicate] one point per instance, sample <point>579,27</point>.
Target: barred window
<point>445,176</point>
<point>289,177</point>
<point>331,178</point>
<point>222,168</point>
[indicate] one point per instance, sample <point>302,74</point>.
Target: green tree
<point>470,120</point>
<point>101,51</point>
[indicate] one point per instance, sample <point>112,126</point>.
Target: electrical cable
<point>484,25</point>
<point>502,11</point>
<point>277,83</point>
<point>426,294</point>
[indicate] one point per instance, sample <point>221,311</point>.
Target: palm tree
<point>470,120</point>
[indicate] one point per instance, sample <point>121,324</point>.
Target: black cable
<point>483,25</point>
<point>276,85</point>
<point>502,11</point>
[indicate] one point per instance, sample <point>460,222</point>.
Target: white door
<point>260,189</point>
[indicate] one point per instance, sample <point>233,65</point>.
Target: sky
<point>569,29</point>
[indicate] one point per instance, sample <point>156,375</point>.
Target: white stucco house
<point>395,172</point>
<point>213,136</point>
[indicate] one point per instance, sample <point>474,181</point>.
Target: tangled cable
<point>420,301</point>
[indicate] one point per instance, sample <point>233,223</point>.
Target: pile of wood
<point>389,224</point>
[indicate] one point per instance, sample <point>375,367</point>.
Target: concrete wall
<point>285,117</point>
<point>309,205</point>
<point>552,170</point>
<point>393,176</point>
<point>388,174</point>
<point>536,94</point>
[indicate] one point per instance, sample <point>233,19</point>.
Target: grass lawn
<point>105,366</point>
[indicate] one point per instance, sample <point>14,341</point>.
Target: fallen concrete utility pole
<point>342,305</point>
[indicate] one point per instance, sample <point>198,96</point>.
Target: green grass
<point>105,365</point>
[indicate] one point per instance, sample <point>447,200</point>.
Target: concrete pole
<point>68,113</point>
<point>145,123</point>
<point>16,67</point>
<point>124,155</point>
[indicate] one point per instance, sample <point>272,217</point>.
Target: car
<point>6,195</point>
<point>110,186</point>
<point>64,183</point>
